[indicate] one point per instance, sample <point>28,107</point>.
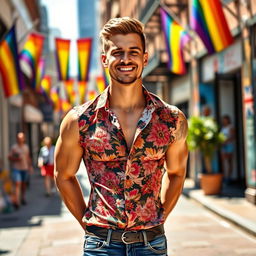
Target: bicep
<point>176,158</point>
<point>68,152</point>
<point>177,153</point>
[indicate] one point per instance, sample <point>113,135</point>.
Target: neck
<point>126,98</point>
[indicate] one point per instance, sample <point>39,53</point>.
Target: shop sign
<point>223,62</point>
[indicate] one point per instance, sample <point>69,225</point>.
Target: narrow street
<point>44,227</point>
<point>194,230</point>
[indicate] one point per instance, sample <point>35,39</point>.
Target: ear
<point>145,59</point>
<point>104,60</point>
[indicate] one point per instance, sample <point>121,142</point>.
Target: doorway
<point>229,102</point>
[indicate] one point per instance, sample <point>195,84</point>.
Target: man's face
<point>125,58</point>
<point>20,138</point>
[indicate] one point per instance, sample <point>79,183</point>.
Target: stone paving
<point>44,227</point>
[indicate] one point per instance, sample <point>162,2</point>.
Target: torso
<point>128,123</point>
<point>227,131</point>
<point>124,154</point>
<point>22,151</point>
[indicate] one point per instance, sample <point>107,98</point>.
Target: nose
<point>125,58</point>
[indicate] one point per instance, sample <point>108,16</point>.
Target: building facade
<point>88,27</point>
<point>19,112</point>
<point>225,81</point>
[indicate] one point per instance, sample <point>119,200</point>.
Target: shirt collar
<point>103,100</point>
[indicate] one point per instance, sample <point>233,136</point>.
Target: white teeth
<point>125,69</point>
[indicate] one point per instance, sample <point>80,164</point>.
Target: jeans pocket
<point>93,243</point>
<point>158,245</point>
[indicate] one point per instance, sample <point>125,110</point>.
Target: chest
<point>144,136</point>
<point>128,123</point>
<point>20,151</point>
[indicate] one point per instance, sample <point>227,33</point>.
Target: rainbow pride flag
<point>40,73</point>
<point>208,20</point>
<point>106,76</point>
<point>91,94</point>
<point>175,37</point>
<point>84,47</point>
<point>46,86</point>
<point>82,85</point>
<point>100,83</point>
<point>65,105</point>
<point>9,65</point>
<point>71,94</point>
<point>31,54</point>
<point>62,58</point>
<point>54,96</point>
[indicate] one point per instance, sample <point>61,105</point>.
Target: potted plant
<point>204,135</point>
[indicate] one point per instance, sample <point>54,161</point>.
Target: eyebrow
<point>131,48</point>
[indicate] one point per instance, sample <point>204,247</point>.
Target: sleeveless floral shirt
<point>125,185</point>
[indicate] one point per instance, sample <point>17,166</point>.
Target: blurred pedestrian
<point>227,149</point>
<point>206,111</point>
<point>21,168</point>
<point>134,148</point>
<point>46,164</point>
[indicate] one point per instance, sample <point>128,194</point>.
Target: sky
<point>62,14</point>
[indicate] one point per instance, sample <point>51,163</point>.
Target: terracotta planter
<point>211,184</point>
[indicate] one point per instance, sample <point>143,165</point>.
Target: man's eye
<point>117,53</point>
<point>134,53</point>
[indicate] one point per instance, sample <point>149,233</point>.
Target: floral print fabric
<point>125,184</point>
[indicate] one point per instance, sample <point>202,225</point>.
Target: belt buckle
<point>123,237</point>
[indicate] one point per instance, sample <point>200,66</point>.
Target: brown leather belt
<point>126,236</point>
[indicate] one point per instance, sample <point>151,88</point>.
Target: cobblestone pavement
<point>44,227</point>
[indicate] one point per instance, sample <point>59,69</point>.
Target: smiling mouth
<point>125,69</point>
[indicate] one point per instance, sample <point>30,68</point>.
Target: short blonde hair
<point>124,25</point>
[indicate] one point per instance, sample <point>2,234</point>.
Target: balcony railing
<point>148,10</point>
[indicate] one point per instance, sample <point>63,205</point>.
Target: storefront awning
<point>32,114</point>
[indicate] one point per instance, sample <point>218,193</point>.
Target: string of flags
<point>207,20</point>
<point>33,66</point>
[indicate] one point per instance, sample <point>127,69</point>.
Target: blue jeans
<point>19,175</point>
<point>96,246</point>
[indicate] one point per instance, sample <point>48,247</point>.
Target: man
<point>125,137</point>
<point>21,167</point>
<point>45,163</point>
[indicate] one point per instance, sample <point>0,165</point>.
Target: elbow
<point>61,176</point>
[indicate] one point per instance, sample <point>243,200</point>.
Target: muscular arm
<point>68,155</point>
<point>176,162</point>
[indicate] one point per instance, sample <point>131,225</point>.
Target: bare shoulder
<point>69,126</point>
<point>181,131</point>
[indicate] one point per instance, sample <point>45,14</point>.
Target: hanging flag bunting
<point>82,85</point>
<point>62,58</point>
<point>175,37</point>
<point>40,73</point>
<point>100,83</point>
<point>84,47</point>
<point>54,96</point>
<point>106,76</point>
<point>71,94</point>
<point>31,55</point>
<point>46,86</point>
<point>9,65</point>
<point>208,20</point>
<point>65,105</point>
<point>92,94</point>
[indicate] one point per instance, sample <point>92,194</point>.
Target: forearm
<point>172,186</point>
<point>72,196</point>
